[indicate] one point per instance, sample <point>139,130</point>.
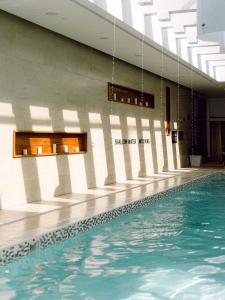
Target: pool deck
<point>23,222</point>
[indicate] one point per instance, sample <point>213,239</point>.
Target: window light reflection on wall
<point>37,114</point>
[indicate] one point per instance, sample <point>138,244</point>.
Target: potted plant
<point>195,156</point>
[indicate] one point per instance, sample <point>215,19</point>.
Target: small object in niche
<point>180,135</point>
<point>77,149</point>
<point>54,148</point>
<point>65,148</point>
<point>25,152</point>
<point>127,95</point>
<point>174,137</point>
<point>146,103</point>
<point>39,150</point>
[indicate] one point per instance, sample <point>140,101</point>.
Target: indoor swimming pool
<point>172,249</point>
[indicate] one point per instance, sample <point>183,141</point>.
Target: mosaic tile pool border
<point>65,232</point>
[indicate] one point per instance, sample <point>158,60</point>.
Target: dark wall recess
<point>174,137</point>
<point>180,135</point>
<point>168,113</point>
<point>121,94</point>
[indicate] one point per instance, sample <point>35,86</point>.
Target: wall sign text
<point>131,141</point>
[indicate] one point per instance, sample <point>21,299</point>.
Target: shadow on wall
<point>104,162</point>
<point>63,170</point>
<point>64,102</point>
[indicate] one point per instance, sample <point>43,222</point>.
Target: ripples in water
<point>174,249</point>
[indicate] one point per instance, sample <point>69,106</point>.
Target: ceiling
<point>87,23</point>
<point>189,28</point>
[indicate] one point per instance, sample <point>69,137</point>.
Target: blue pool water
<point>173,249</point>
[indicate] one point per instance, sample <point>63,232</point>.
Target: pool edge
<point>64,232</point>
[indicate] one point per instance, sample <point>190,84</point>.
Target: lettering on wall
<point>131,141</point>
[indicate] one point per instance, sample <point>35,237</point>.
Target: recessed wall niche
<point>180,135</point>
<point>38,143</point>
<point>121,94</point>
<point>168,113</point>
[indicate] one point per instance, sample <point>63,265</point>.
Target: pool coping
<point>63,232</point>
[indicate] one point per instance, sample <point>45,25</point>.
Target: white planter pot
<point>195,160</point>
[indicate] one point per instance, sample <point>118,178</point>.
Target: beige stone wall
<point>48,82</point>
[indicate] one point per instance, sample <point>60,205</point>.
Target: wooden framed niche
<point>121,94</point>
<point>43,143</point>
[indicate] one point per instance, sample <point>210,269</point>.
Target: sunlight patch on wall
<point>114,120</point>
<point>118,150</point>
<point>178,155</point>
<point>12,188</point>
<point>147,147</point>
<point>40,118</point>
<point>7,125</point>
<point>95,118</point>
<point>48,177</point>
<point>133,148</point>
<point>159,144</point>
<point>77,172</point>
<point>98,148</point>
<point>157,124</point>
<point>71,120</point>
<point>6,110</point>
<point>76,163</point>
<point>70,115</point>
<point>169,147</point>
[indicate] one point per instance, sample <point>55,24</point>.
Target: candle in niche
<point>39,150</point>
<point>128,100</point>
<point>77,149</point>
<point>114,96</point>
<point>135,101</point>
<point>54,148</point>
<point>65,148</point>
<point>25,152</point>
<point>121,99</point>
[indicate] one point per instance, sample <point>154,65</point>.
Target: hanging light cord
<point>161,83</point>
<point>192,111</point>
<point>178,92</point>
<point>114,49</point>
<point>142,66</point>
<point>113,60</point>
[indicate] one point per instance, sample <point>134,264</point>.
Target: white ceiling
<point>178,26</point>
<point>85,22</point>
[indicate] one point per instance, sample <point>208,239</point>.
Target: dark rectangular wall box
<point>180,135</point>
<point>125,95</point>
<point>174,137</point>
<point>168,114</point>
